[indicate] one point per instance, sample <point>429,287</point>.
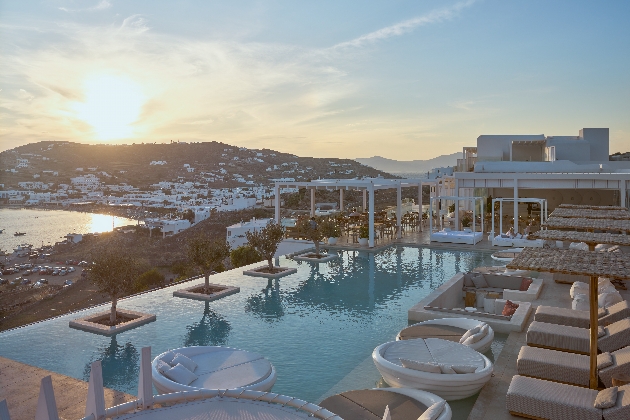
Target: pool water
<point>318,326</point>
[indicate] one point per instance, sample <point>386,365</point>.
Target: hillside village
<point>185,178</point>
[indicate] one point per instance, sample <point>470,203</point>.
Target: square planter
<point>259,272</point>
<point>217,291</point>
<point>311,257</point>
<point>91,322</point>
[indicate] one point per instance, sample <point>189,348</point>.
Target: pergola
<point>591,213</point>
<point>540,201</point>
<point>587,224</point>
<point>368,185</point>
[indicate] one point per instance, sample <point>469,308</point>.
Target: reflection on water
<point>268,304</point>
<point>120,365</point>
<point>211,330</point>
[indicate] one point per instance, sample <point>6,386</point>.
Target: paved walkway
<point>19,385</point>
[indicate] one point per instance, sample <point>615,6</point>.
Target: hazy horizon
<point>403,80</point>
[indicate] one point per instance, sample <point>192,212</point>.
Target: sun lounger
<point>540,399</point>
<point>570,368</point>
<point>576,340</point>
<point>581,319</point>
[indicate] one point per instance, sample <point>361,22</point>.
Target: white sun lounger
<point>581,319</point>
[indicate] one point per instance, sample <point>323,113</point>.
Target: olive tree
<point>266,241</point>
<point>207,256</point>
<point>311,230</point>
<point>114,272</point>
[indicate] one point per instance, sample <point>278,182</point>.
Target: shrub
<point>244,255</point>
<point>149,280</point>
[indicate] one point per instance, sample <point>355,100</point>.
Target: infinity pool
<point>318,326</point>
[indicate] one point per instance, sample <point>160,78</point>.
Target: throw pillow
<point>469,333</point>
<point>580,303</point>
<point>509,308</point>
<point>433,412</point>
<point>606,398</point>
<point>168,357</point>
<point>468,280</point>
<point>473,339</point>
<point>447,369</point>
<point>479,280</point>
<point>601,332</point>
<point>464,369</point>
<point>525,284</point>
<point>162,366</point>
<point>184,361</point>
<point>604,360</point>
<point>180,374</point>
<point>421,366</point>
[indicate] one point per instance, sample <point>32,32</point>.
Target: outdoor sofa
<point>509,285</point>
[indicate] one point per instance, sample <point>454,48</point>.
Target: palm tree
<point>207,256</point>
<point>114,272</point>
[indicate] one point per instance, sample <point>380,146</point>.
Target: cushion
<point>525,284</point>
<point>184,361</point>
<point>600,331</point>
<point>606,398</point>
<point>468,280</point>
<point>423,367</point>
<point>601,312</point>
<point>473,339</point>
<point>464,368</point>
<point>446,369</point>
<point>168,357</point>
<point>434,411</point>
<point>162,366</point>
<point>485,329</point>
<point>580,303</point>
<point>468,333</point>
<point>499,304</point>
<point>479,280</point>
<point>606,289</point>
<point>608,299</point>
<point>180,374</point>
<point>509,308</point>
<point>604,360</point>
<point>503,235</point>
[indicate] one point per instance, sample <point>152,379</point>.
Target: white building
<point>168,227</point>
<point>86,182</point>
<point>236,233</point>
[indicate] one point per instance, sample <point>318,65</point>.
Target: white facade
<point>236,233</point>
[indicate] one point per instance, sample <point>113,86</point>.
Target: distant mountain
<point>410,166</point>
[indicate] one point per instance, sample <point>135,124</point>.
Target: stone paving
<point>19,385</point>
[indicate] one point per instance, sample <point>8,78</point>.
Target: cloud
<point>102,5</point>
<point>406,26</point>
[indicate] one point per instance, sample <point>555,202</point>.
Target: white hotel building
<point>560,169</point>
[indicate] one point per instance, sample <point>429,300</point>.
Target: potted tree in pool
<point>314,231</point>
<point>207,257</point>
<point>331,230</point>
<point>265,241</point>
<point>114,273</point>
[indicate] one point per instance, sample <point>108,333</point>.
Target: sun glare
<point>112,104</point>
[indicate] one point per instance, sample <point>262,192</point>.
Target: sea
<point>45,227</point>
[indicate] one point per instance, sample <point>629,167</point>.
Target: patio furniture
<point>370,404</point>
<point>452,329</point>
<point>404,364</point>
<point>216,368</point>
<point>571,368</point>
<point>574,339</point>
<point>509,285</point>
<point>540,399</point>
<point>580,319</point>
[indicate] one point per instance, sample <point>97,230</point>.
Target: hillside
<point>410,166</point>
<point>217,164</point>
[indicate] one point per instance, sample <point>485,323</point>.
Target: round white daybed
<point>389,359</point>
<point>217,368</point>
<point>506,255</point>
<point>404,403</point>
<point>451,329</point>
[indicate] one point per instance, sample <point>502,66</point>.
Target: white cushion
<point>433,412</point>
<point>423,367</point>
<point>464,369</point>
<point>180,374</point>
<point>184,361</point>
<point>168,357</point>
<point>601,331</point>
<point>499,304</point>
<point>606,398</point>
<point>162,366</point>
<point>485,330</point>
<point>479,280</point>
<point>580,303</point>
<point>447,369</point>
<point>473,339</point>
<point>606,300</point>
<point>468,333</point>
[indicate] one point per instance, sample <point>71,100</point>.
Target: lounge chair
<point>540,399</point>
<point>576,340</point>
<point>571,368</point>
<point>581,319</point>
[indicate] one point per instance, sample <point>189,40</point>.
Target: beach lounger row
<point>576,340</point>
<point>571,368</point>
<point>581,319</point>
<point>540,399</point>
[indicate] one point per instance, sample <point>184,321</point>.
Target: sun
<point>112,104</point>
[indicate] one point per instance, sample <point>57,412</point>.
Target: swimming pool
<point>318,326</point>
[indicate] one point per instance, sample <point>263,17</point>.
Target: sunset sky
<point>400,79</point>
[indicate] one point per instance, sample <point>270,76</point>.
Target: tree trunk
<point>112,314</point>
<point>206,287</point>
<point>316,248</point>
<point>270,262</point>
